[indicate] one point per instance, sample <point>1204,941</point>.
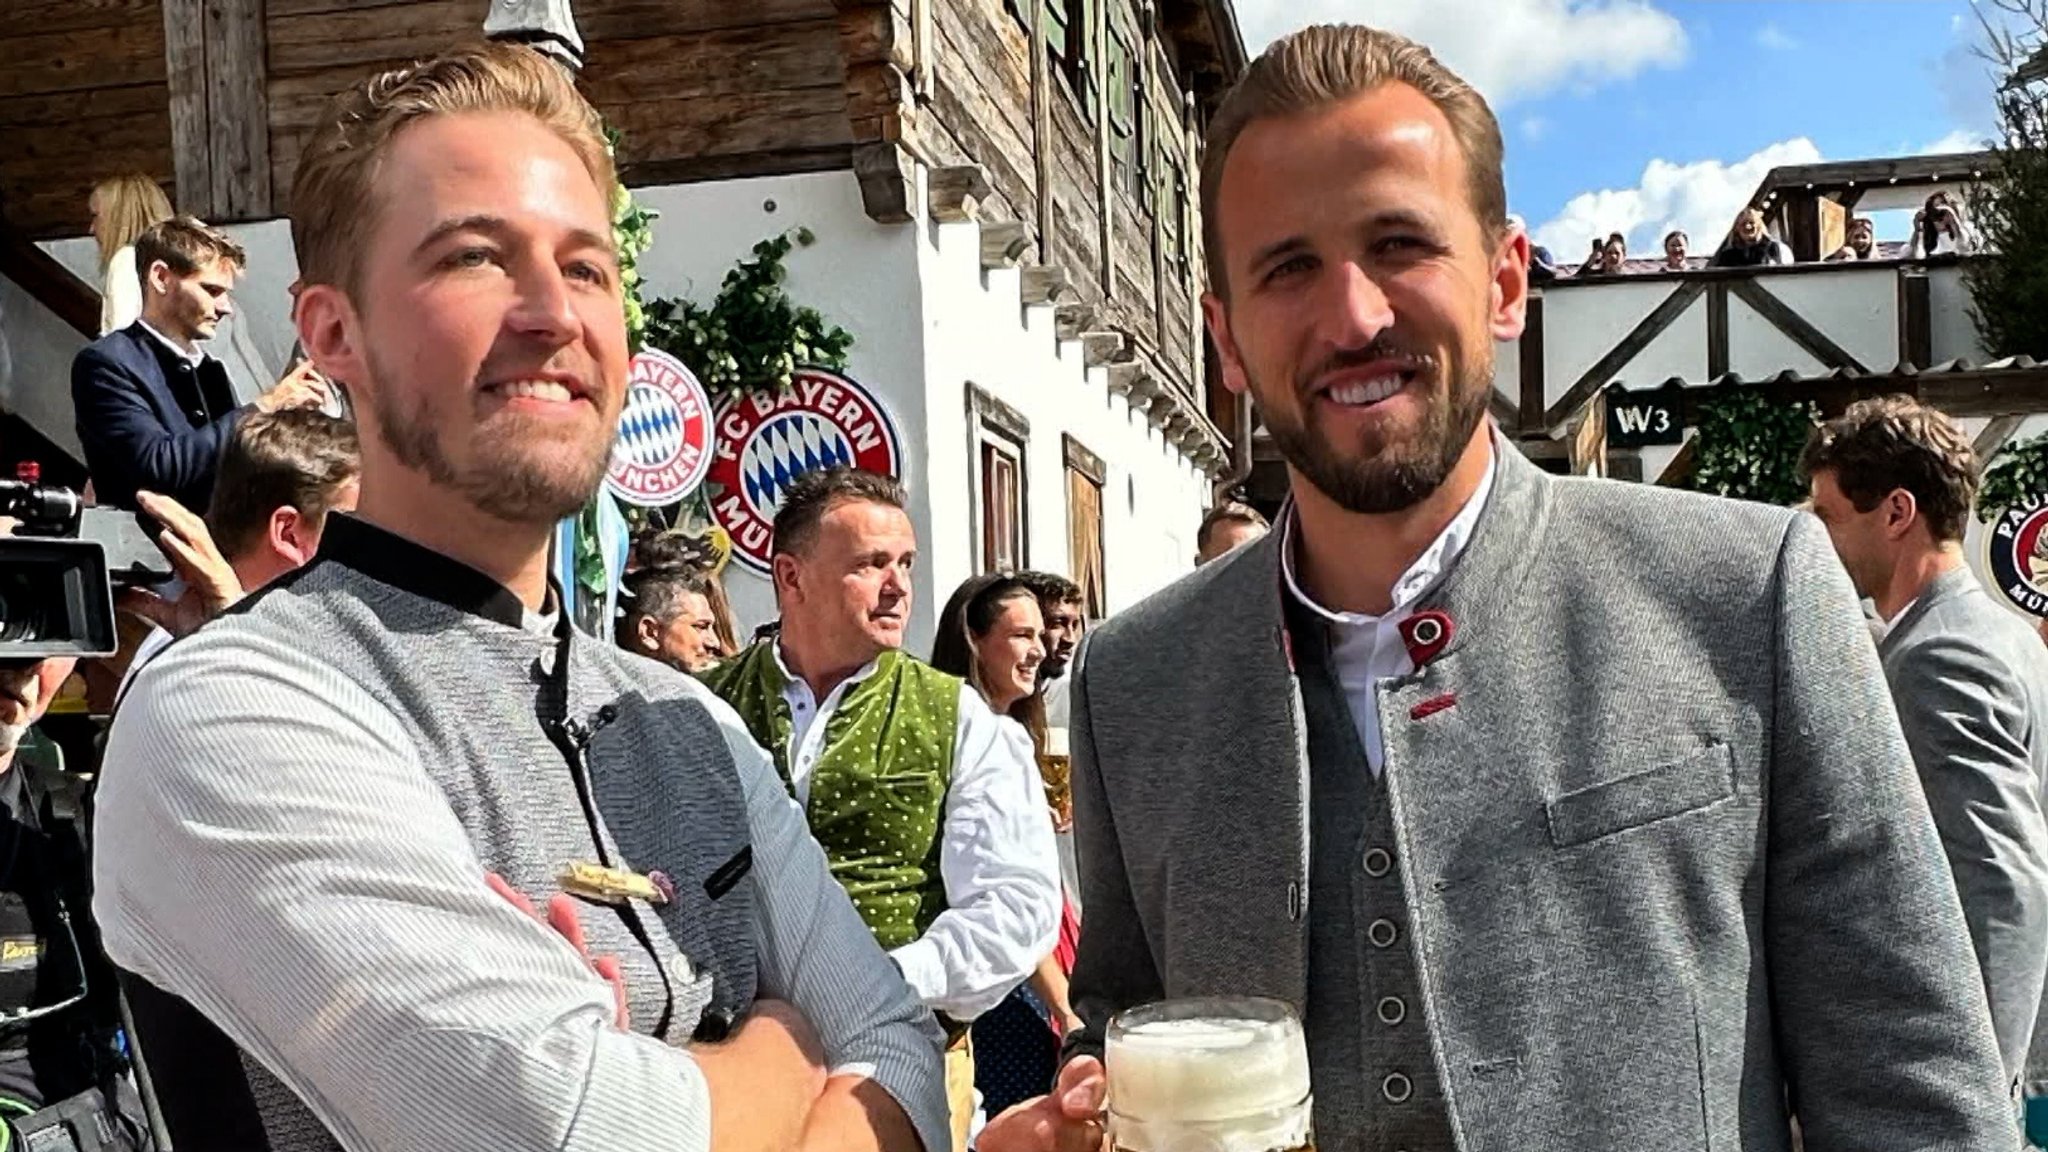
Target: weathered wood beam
<point>214,62</point>
<point>238,102</point>
<point>886,174</point>
<point>1718,347</point>
<point>1996,435</point>
<point>1043,142</point>
<point>1600,374</point>
<point>1098,348</point>
<point>1678,473</point>
<point>1530,350</point>
<point>1045,284</point>
<point>1916,319</point>
<point>1004,244</point>
<point>1073,319</point>
<point>185,75</point>
<point>956,193</point>
<point>1799,328</point>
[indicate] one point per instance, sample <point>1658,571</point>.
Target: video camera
<point>59,569</point>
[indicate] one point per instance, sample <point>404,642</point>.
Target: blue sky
<point>1640,115</point>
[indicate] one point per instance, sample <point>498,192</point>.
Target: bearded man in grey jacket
<point>1569,815</point>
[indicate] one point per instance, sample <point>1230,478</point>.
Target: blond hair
<point>126,207</point>
<point>1325,63</point>
<point>185,244</point>
<point>334,193</point>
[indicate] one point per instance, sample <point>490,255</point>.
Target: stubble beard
<point>1400,474</point>
<point>503,481</point>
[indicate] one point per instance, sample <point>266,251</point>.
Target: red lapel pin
<point>1426,634</point>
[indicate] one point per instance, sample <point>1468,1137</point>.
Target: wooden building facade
<point>1084,115</point>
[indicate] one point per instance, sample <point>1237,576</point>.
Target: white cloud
<point>1960,140</point>
<point>1701,198</point>
<point>1774,38</point>
<point>1509,49</point>
<point>1535,128</point>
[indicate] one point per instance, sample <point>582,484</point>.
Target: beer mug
<point>1209,1075</point>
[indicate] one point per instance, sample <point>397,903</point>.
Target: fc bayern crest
<point>664,444</point>
<point>2017,554</point>
<point>768,439</point>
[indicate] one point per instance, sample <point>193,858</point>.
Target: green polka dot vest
<point>878,792</point>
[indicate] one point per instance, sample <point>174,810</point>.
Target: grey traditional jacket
<point>1667,867</point>
<point>1970,681</point>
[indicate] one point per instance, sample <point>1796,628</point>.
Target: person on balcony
<point>1675,259</point>
<point>123,207</point>
<point>1749,244</point>
<point>1941,229</point>
<point>1862,242</point>
<point>153,409</point>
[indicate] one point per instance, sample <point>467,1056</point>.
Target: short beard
<point>1051,669</point>
<point>1401,475</point>
<point>499,483</point>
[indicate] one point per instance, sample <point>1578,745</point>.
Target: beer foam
<point>1242,1084</point>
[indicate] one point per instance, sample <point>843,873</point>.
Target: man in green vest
<point>926,802</point>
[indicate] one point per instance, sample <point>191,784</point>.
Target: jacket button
<point>1377,862</point>
<point>1382,933</point>
<point>1392,1011</point>
<point>1396,1088</point>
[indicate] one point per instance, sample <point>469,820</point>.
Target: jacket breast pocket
<point>1700,780</point>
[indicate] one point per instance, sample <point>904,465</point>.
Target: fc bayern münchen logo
<point>768,439</point>
<point>664,443</point>
<point>2016,548</point>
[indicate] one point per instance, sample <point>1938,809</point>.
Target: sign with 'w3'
<point>1640,419</point>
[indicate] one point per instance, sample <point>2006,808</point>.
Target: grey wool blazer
<point>1667,864</point>
<point>1970,681</point>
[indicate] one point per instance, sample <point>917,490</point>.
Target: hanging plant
<point>1748,447</point>
<point>633,234</point>
<point>2017,476</point>
<point>752,336</point>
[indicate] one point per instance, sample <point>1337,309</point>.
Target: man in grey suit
<point>1569,815</point>
<point>1894,484</point>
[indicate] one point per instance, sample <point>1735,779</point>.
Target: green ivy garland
<point>752,335</point>
<point>1748,447</point>
<point>2019,474</point>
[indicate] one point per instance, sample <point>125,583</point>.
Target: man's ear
<point>647,633</point>
<point>1216,314</point>
<point>159,277</point>
<point>1901,512</point>
<point>331,333</point>
<point>1510,300</point>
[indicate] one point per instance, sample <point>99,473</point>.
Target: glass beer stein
<point>1209,1075</point>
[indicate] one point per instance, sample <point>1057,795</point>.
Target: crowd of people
<point>1565,814</point>
<point>1940,227</point>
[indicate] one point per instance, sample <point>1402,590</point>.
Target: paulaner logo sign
<point>2016,550</point>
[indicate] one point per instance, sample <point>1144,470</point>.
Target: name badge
<point>608,885</point>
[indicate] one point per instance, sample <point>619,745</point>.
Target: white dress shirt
<point>996,853</point>
<point>151,646</point>
<point>194,356</point>
<point>1365,650</point>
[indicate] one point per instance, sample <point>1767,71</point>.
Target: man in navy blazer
<point>153,409</point>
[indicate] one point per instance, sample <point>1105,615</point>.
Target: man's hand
<point>1069,1120</point>
<point>302,387</point>
<point>210,581</point>
<point>564,917</point>
<point>764,1080</point>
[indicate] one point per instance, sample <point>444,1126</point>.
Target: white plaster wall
<point>858,274</point>
<point>1857,308</point>
<point>36,350</point>
<point>1757,349</point>
<point>1153,498</point>
<point>1581,323</point>
<point>1952,335</point>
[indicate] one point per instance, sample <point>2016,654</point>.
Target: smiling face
<point>485,341</point>
<point>1674,250</point>
<point>1365,296</point>
<point>1008,655</point>
<point>1749,226</point>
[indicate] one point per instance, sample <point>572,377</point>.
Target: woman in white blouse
<point>122,209</point>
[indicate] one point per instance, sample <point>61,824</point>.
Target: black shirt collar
<point>392,559</point>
